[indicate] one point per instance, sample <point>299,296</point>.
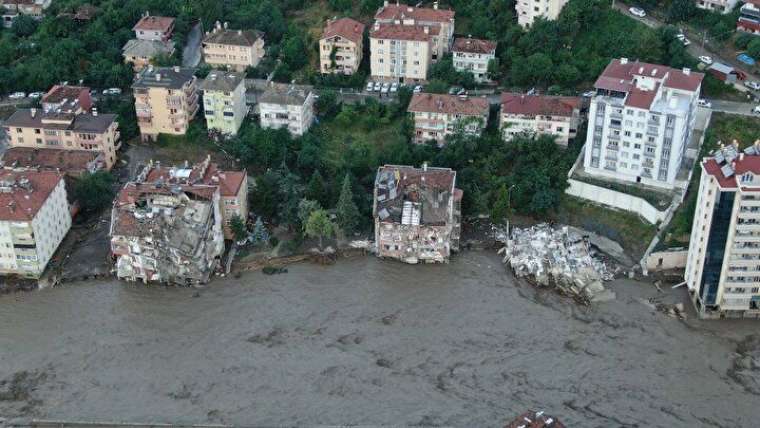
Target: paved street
<point>733,107</point>
<point>191,55</point>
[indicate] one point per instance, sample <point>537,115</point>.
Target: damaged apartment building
<point>167,231</point>
<point>417,213</point>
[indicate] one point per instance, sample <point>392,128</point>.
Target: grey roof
<point>86,122</point>
<point>223,81</point>
<point>721,68</point>
<point>233,37</point>
<point>163,77</point>
<point>284,94</point>
<point>147,48</point>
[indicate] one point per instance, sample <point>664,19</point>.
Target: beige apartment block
<point>341,46</point>
<point>287,106</point>
<point>34,219</point>
<point>11,9</point>
<point>67,131</point>
<point>441,20</point>
<point>529,10</point>
<point>438,115</point>
<point>166,100</point>
<point>401,53</point>
<point>236,49</point>
<point>539,115</point>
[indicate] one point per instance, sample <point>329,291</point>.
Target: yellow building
<point>224,101</point>
<point>401,53</point>
<point>442,20</point>
<point>166,100</point>
<point>236,49</point>
<point>341,46</point>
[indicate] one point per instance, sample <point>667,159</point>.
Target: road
<point>191,55</point>
<point>733,107</point>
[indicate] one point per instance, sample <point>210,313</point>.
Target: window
<point>627,133</point>
<point>637,146</point>
<point>639,135</point>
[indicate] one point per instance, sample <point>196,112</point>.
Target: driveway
<point>191,55</point>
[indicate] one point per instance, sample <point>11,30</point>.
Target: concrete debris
<point>673,310</point>
<point>559,258</point>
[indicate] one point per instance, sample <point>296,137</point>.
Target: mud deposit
<point>370,342</point>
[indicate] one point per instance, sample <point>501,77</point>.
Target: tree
<point>500,209</point>
<point>316,189</point>
<point>94,191</point>
<point>260,233</point>
<point>753,49</point>
<point>346,210</point>
<point>24,25</point>
<point>237,226</point>
<point>265,195</point>
<point>319,226</point>
<point>305,208</point>
<point>327,104</point>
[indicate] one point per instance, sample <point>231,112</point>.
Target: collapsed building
<point>417,213</point>
<point>167,232</point>
<point>532,419</point>
<point>559,258</point>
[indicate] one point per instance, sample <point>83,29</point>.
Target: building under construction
<point>167,232</point>
<point>417,213</point>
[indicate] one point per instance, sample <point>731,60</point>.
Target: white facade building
<point>539,115</point>
<point>723,265</point>
<point>529,10</point>
<point>718,6</point>
<point>473,56</point>
<point>439,21</point>
<point>287,106</point>
<point>640,122</point>
<point>438,115</point>
<point>34,219</point>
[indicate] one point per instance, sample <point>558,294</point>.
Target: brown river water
<point>370,342</point>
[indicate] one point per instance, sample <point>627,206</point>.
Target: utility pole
<point>704,38</point>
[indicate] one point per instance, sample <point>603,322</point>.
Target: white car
<point>394,87</point>
<point>705,59</point>
<point>17,95</point>
<point>753,85</point>
<point>35,95</point>
<point>112,91</point>
<point>370,86</point>
<point>378,85</point>
<point>635,11</point>
<point>588,94</point>
<point>704,103</point>
<point>685,41</point>
<point>386,87</point>
<point>417,89</point>
<point>756,110</point>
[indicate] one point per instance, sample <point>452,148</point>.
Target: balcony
<point>612,147</point>
<point>143,113</point>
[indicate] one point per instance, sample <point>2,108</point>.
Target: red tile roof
<point>400,11</point>
<point>403,32</point>
<point>533,105</point>
<point>26,192</point>
<point>640,98</point>
<point>740,165</point>
<point>345,27</point>
<point>470,45</point>
<point>154,23</point>
<point>452,104</point>
<point>532,419</point>
<point>619,76</point>
<point>229,182</point>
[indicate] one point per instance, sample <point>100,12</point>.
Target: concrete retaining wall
<point>668,259</point>
<point>615,199</point>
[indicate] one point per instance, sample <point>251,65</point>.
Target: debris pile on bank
<point>558,258</point>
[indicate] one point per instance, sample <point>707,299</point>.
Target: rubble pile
<point>558,258</point>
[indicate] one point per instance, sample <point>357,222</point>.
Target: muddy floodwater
<point>374,343</point>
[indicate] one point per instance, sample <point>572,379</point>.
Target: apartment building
<point>417,213</point>
<point>224,101</point>
<point>169,234</point>
<point>723,264</point>
<point>140,53</point>
<point>473,56</point>
<point>166,100</point>
<point>10,9</point>
<point>749,17</point>
<point>34,219</point>
<point>539,115</point>
<point>440,22</point>
<point>94,132</point>
<point>287,106</point>
<point>67,99</point>
<point>640,122</point>
<point>234,49</point>
<point>341,46</point>
<point>154,28</point>
<point>401,53</point>
<point>529,10</point>
<point>233,185</point>
<point>438,115</point>
<point>717,6</point>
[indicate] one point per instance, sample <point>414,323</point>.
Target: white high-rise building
<point>640,122</point>
<point>529,10</point>
<point>723,266</point>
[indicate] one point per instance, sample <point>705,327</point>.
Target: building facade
<point>749,17</point>
<point>341,46</point>
<point>287,106</point>
<point>166,100</point>
<point>94,132</point>
<point>438,115</point>
<point>718,6</point>
<point>34,219</point>
<point>723,265</point>
<point>72,163</point>
<point>473,56</point>
<point>640,122</point>
<point>440,22</point>
<point>154,28</point>
<point>234,49</point>
<point>401,53</point>
<point>417,213</point>
<point>224,101</point>
<point>13,8</point>
<point>539,115</point>
<point>529,10</point>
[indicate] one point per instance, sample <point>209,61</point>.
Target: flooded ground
<point>370,342</point>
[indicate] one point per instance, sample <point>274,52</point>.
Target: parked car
<point>370,85</point>
<point>417,89</point>
<point>704,103</point>
<point>685,41</point>
<point>588,94</point>
<point>378,86</point>
<point>35,95</point>
<point>462,92</point>
<point>705,59</point>
<point>394,87</point>
<point>17,95</point>
<point>637,11</point>
<point>753,85</point>
<point>386,87</point>
<point>112,91</point>
<point>756,110</point>
<point>454,90</point>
